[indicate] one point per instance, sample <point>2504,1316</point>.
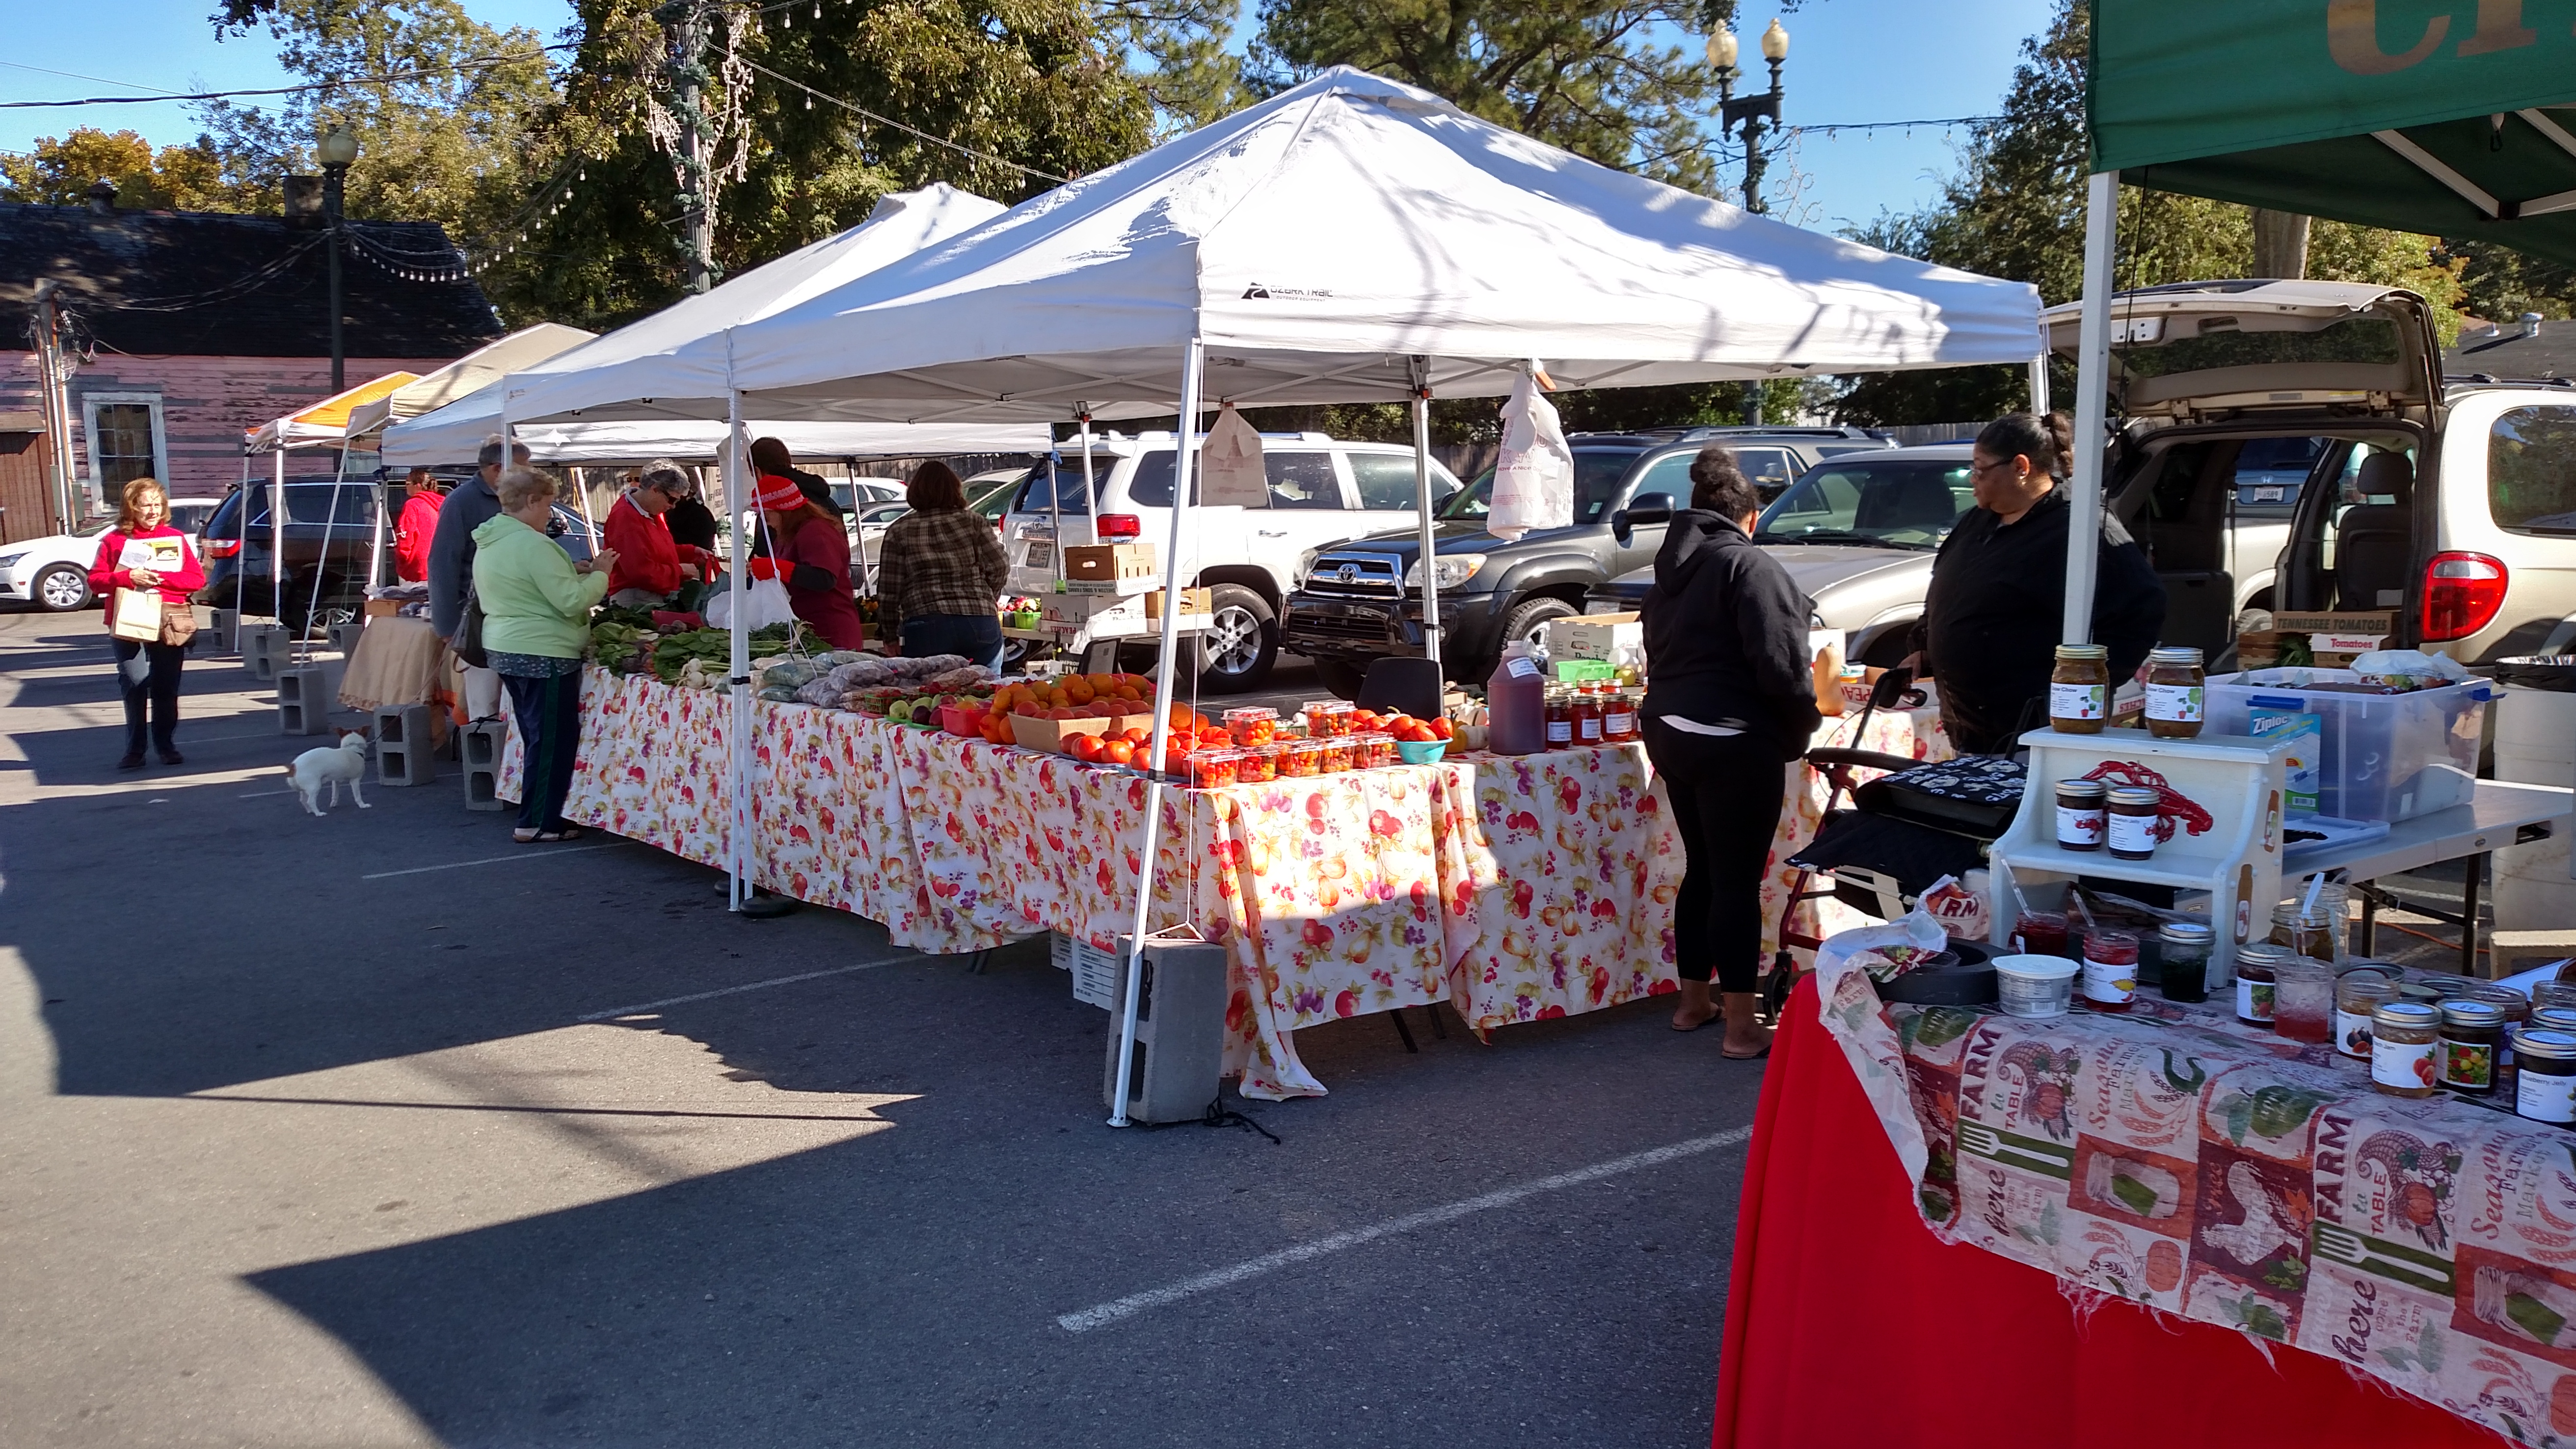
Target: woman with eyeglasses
<point>1993,618</point>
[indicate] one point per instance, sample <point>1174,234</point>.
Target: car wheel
<point>1341,677</point>
<point>1243,642</point>
<point>1529,622</point>
<point>61,588</point>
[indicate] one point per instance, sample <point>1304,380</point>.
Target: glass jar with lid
<point>2079,692</point>
<point>2308,933</point>
<point>1586,712</point>
<point>2083,814</point>
<point>2553,993</point>
<point>2131,816</point>
<point>2471,1032</point>
<point>1619,716</point>
<point>2255,980</point>
<point>2555,1018</point>
<point>2185,949</point>
<point>1560,717</point>
<point>2177,693</point>
<point>2545,1090</point>
<point>2517,1010</point>
<point>2358,996</point>
<point>2402,1037</point>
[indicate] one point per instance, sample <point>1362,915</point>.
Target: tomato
<point>1440,728</point>
<point>1084,748</point>
<point>1119,752</point>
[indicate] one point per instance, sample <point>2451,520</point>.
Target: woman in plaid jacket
<point>941,572</point>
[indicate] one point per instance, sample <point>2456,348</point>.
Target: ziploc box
<point>2377,756</point>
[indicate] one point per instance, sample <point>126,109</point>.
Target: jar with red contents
<point>1619,713</point>
<point>1560,718</point>
<point>1258,765</point>
<point>1372,750</point>
<point>1586,713</point>
<point>2110,970</point>
<point>2043,933</point>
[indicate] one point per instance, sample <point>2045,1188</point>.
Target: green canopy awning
<point>2419,115</point>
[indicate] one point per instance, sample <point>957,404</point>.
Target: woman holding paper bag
<point>144,556</point>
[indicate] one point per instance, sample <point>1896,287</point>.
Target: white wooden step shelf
<point>2237,859</point>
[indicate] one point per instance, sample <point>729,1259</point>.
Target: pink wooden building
<point>183,329</point>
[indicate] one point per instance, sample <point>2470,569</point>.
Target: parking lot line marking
<point>487,860</point>
<point>1108,1313</point>
<point>746,986</point>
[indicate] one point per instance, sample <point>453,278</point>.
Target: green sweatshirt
<point>533,600</point>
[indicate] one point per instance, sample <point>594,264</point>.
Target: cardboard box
<point>382,608</point>
<point>1053,734</point>
<point>2380,623</point>
<point>1594,636</point>
<point>1073,611</point>
<point>1110,568</point>
<point>1193,601</point>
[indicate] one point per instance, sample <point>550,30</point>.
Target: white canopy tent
<point>324,424</point>
<point>451,435</point>
<point>1350,239</point>
<point>465,376</point>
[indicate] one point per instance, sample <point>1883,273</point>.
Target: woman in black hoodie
<point>1728,703</point>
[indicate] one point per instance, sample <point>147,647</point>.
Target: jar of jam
<point>2079,693</point>
<point>2184,949</point>
<point>1619,716</point>
<point>2133,812</point>
<point>2082,814</point>
<point>2401,1048</point>
<point>1585,712</point>
<point>1258,764</point>
<point>2471,1032</point>
<point>1560,718</point>
<point>2177,693</point>
<point>2517,1010</point>
<point>1252,725</point>
<point>2545,1090</point>
<point>2042,933</point>
<point>2254,982</point>
<point>2357,997</point>
<point>2309,934</point>
<point>2110,970</point>
<point>2554,1018</point>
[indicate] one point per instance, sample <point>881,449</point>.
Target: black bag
<point>1975,795</point>
<point>469,634</point>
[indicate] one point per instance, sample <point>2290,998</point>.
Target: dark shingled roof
<point>2506,353</point>
<point>211,284</point>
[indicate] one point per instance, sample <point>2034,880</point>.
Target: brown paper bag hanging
<point>137,616</point>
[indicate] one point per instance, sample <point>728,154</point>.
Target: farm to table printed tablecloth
<point>1515,889</point>
<point>2176,1160</point>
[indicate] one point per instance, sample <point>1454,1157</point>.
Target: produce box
<point>1110,568</point>
<point>1594,636</point>
<point>382,608</point>
<point>1193,601</point>
<point>1053,734</point>
<point>1074,611</point>
<point>2323,641</point>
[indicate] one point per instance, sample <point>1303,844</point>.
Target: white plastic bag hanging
<point>1534,477</point>
<point>764,603</point>
<point>1230,466</point>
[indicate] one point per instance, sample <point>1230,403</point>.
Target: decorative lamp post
<point>1751,114</point>
<point>337,149</point>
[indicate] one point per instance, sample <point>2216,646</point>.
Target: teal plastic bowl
<point>1421,752</point>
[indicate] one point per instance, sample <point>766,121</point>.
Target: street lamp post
<point>1752,114</point>
<point>337,149</point>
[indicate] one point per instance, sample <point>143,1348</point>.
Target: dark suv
<point>330,533</point>
<point>1362,600</point>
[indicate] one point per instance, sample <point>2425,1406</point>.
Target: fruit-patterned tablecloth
<point>2176,1160</point>
<point>1515,889</point>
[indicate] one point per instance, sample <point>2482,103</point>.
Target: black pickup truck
<point>1362,600</point>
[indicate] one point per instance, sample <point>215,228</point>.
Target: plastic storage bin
<point>2373,756</point>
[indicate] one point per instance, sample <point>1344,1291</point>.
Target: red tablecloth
<point>1847,1323</point>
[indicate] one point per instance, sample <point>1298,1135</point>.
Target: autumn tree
<point>59,171</point>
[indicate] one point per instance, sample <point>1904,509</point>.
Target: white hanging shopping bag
<point>1534,476</point>
<point>1230,466</point>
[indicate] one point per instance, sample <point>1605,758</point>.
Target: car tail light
<point>222,547</point>
<point>2463,593</point>
<point>1119,525</point>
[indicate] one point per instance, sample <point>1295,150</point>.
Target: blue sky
<point>1849,60</point>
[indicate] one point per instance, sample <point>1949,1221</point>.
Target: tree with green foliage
<point>60,170</point>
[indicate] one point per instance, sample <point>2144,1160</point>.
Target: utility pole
<point>46,325</point>
<point>685,74</point>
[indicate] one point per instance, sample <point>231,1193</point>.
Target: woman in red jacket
<point>144,552</point>
<point>650,566</point>
<point>813,557</point>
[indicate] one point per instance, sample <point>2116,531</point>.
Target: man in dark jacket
<point>1729,699</point>
<point>1993,618</point>
<point>469,506</point>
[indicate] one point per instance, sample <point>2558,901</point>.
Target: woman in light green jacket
<point>536,605</point>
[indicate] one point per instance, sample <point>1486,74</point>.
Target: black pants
<point>549,714</point>
<point>977,636</point>
<point>150,672</point>
<point>1725,793</point>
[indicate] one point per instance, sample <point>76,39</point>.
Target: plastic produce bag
<point>1534,476</point>
<point>765,603</point>
<point>1230,466</point>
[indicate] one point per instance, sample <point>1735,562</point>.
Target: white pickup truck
<point>1322,491</point>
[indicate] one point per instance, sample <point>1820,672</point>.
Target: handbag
<point>469,634</point>
<point>137,616</point>
<point>178,624</point>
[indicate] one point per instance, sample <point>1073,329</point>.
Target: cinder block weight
<point>403,752</point>
<point>303,700</point>
<point>222,632</point>
<point>344,637</point>
<point>264,648</point>
<point>479,745</point>
<point>1180,1031</point>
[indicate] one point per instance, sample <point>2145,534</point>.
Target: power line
<point>479,63</point>
<point>958,147</point>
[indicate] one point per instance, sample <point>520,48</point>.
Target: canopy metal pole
<point>2092,398</point>
<point>1184,492</point>
<point>330,530</point>
<point>241,554</point>
<point>277,538</point>
<point>738,853</point>
<point>1422,503</point>
<point>376,543</point>
<point>2039,377</point>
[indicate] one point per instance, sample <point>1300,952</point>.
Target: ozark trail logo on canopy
<point>1258,292</point>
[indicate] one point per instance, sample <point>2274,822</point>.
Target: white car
<point>52,572</point>
<point>1322,491</point>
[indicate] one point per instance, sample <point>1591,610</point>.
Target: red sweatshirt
<point>108,573</point>
<point>647,559</point>
<point>412,537</point>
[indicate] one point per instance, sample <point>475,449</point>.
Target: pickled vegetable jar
<point>2177,693</point>
<point>2079,693</point>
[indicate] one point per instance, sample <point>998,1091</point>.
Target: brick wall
<point>206,404</point>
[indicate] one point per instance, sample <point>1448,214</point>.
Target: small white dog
<point>330,764</point>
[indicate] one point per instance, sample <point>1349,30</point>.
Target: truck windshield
<point>1598,472</point>
<point>1912,503</point>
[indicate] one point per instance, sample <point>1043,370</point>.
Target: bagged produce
<point>1534,474</point>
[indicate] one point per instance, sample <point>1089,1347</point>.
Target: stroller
<point>1899,835</point>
